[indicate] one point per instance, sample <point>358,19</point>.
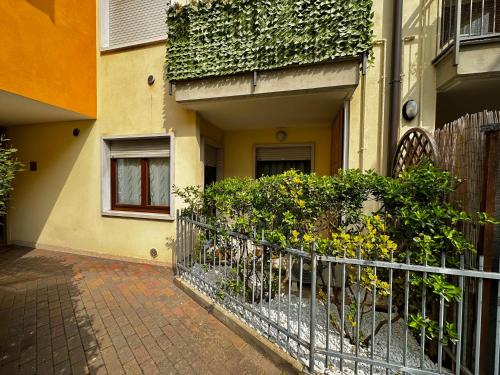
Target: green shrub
<point>8,168</point>
<point>412,220</point>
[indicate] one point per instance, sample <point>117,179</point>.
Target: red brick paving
<point>70,314</point>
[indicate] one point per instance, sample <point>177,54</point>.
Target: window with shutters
<point>138,175</point>
<point>126,23</point>
<point>272,160</point>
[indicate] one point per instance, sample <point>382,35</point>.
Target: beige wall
<point>59,205</point>
<point>370,102</point>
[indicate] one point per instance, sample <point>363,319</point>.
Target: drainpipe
<point>395,95</point>
<point>345,136</point>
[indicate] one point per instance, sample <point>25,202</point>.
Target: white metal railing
<point>478,19</point>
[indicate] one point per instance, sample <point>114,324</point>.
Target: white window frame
<point>106,178</point>
<point>283,145</point>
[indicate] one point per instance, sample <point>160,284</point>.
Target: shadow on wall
<point>46,6</point>
<point>55,150</point>
<point>46,325</point>
<point>419,48</point>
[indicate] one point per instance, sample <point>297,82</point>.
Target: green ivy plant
<point>223,37</point>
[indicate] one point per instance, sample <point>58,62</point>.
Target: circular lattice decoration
<point>416,145</point>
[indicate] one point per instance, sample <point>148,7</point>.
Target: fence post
<point>312,320</point>
<point>177,243</point>
<point>489,244</point>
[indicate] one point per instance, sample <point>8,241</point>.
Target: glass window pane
<point>128,173</point>
<point>159,182</point>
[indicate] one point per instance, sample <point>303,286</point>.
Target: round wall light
<point>153,252</point>
<point>151,80</point>
<point>410,110</point>
<point>281,136</point>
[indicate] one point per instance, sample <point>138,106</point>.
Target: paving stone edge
<point>252,337</point>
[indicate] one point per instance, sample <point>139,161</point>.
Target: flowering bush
<point>411,222</point>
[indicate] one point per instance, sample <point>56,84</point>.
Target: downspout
<point>345,136</point>
<point>395,94</point>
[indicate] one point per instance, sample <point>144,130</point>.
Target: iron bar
<point>460,314</point>
<point>342,316</point>
<point>312,320</point>
<point>456,54</point>
<point>374,300</point>
<point>407,297</point>
<point>412,267</point>
<point>441,322</point>
<point>479,309</point>
<point>328,312</point>
<point>389,316</point>
<point>358,309</point>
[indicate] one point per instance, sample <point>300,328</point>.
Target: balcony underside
<point>476,61</point>
<point>471,86</point>
<point>285,97</point>
<point>19,110</point>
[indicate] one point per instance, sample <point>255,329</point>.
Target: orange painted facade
<point>48,52</point>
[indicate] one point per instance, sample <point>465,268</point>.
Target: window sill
<point>139,215</point>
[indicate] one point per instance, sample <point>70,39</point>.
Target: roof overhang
<point>19,110</point>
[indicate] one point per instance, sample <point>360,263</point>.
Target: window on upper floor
<point>137,176</point>
<point>126,23</point>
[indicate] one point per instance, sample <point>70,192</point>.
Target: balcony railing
<point>220,38</point>
<point>478,19</point>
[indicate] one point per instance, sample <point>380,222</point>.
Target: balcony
<point>256,53</point>
<point>479,20</point>
<point>475,52</point>
<point>467,64</point>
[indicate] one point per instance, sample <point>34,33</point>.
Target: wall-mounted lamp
<point>281,136</point>
<point>410,110</point>
<point>151,80</point>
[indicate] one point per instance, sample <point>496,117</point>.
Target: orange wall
<point>48,52</point>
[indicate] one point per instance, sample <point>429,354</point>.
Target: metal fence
<point>478,19</point>
<point>319,309</point>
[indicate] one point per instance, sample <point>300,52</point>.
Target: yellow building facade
<point>333,117</point>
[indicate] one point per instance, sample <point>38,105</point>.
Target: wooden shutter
<point>210,156</point>
<point>158,147</point>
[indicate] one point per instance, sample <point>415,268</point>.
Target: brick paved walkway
<point>68,314</point>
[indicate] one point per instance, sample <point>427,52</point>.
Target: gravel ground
<point>278,312</point>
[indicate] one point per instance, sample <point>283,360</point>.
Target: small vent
<point>284,153</point>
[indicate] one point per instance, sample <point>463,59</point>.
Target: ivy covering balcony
<point>213,38</point>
